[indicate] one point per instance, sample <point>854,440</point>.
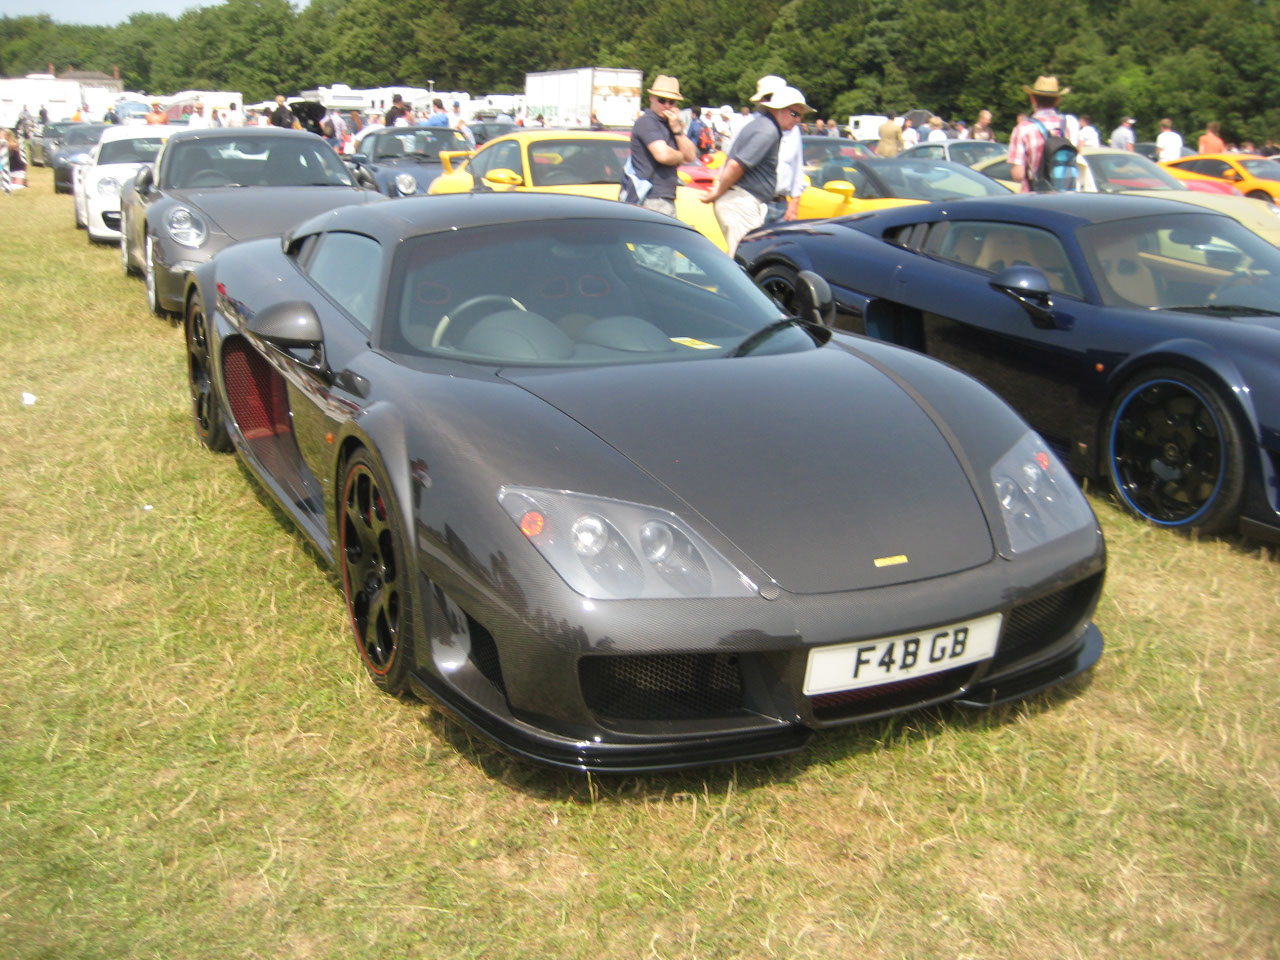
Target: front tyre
<point>376,579</point>
<point>781,283</point>
<point>1174,453</point>
<point>206,411</point>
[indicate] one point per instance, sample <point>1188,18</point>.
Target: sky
<point>104,13</point>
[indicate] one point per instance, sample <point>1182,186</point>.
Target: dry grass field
<point>193,764</point>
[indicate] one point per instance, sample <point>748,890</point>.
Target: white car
<point>121,153</point>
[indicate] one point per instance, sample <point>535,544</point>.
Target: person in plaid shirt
<point>1027,142</point>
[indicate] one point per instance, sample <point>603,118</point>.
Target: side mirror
<point>842,187</point>
<point>293,329</point>
<point>503,177</point>
<point>1030,287</point>
<point>357,158</point>
<point>143,180</point>
<point>815,298</point>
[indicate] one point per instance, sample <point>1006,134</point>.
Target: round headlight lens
<point>406,183</point>
<point>590,535</point>
<point>108,187</point>
<point>656,541</point>
<point>186,227</point>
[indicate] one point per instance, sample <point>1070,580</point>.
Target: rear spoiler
<point>447,157</point>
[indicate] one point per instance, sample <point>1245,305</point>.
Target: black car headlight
<point>186,227</point>
<point>1039,501</point>
<point>406,184</point>
<point>615,550</point>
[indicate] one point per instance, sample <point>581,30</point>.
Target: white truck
<point>60,98</point>
<point>570,97</point>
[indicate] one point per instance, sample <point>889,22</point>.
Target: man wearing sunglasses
<point>659,145</point>
<point>748,180</point>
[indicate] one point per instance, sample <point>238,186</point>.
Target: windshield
<point>976,151</point>
<point>253,161</point>
<point>423,144</point>
<point>1115,172</point>
<point>932,180</point>
<point>1191,260</point>
<point>135,150</point>
<point>576,292</point>
<point>1262,169</point>
<point>79,135</point>
<point>131,109</point>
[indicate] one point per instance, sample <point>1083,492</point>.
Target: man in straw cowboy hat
<point>748,180</point>
<point>791,180</point>
<point>659,145</point>
<point>1026,144</point>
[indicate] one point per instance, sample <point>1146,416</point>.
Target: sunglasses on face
<point>665,102</point>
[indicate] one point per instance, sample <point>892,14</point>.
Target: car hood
<point>816,465</point>
<point>246,213</point>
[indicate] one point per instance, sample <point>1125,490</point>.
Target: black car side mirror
<point>1030,287</point>
<point>142,182</point>
<point>292,328</point>
<point>816,299</point>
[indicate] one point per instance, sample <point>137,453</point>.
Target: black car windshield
<point>576,292</point>
<point>975,151</point>
<point>1116,172</point>
<point>82,134</point>
<point>1187,260</point>
<point>421,143</point>
<point>912,179</point>
<point>135,150</point>
<point>253,161</point>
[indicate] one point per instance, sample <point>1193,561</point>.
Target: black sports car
<point>591,490</point>
<point>213,186</point>
<point>48,140</point>
<point>1141,336</point>
<point>76,146</point>
<point>404,160</point>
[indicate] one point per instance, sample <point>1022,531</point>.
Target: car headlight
<point>1273,209</point>
<point>615,550</point>
<point>186,227</point>
<point>108,187</point>
<point>406,183</point>
<point>1039,501</point>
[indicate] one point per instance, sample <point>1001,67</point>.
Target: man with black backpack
<point>1042,149</point>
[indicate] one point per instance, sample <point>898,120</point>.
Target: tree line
<point>1190,60</point>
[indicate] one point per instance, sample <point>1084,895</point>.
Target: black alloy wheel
<point>206,411</point>
<point>1174,453</point>
<point>782,283</point>
<point>375,573</point>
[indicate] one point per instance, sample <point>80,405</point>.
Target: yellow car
<point>860,184</point>
<point>581,162</point>
<point>1252,175</point>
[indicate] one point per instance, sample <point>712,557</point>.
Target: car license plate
<point>849,666</point>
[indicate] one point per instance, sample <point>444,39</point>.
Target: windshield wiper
<point>763,334</point>
<point>1228,308</point>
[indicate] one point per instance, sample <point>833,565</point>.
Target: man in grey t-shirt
<point>749,178</point>
<point>659,144</point>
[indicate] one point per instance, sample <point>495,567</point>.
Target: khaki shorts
<point>737,212</point>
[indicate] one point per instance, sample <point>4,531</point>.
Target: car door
<point>1037,367</point>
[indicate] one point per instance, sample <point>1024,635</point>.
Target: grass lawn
<point>193,763</point>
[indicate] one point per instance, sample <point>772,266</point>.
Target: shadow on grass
<point>825,747</point>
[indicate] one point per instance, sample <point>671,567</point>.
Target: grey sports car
<point>212,187</point>
<point>589,488</point>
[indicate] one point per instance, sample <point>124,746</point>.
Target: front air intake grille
<point>484,655</point>
<point>866,701</point>
<point>111,218</point>
<point>684,686</point>
<point>1040,622</point>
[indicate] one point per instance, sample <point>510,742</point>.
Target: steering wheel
<point>1236,279</point>
<point>437,338</point>
<point>208,178</point>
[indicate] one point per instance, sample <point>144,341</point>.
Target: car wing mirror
<point>293,329</point>
<point>357,158</point>
<point>504,178</point>
<point>815,294</point>
<point>1030,287</point>
<point>143,179</point>
<point>842,187</point>
<point>451,157</point>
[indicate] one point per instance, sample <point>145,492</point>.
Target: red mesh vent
<point>259,401</point>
